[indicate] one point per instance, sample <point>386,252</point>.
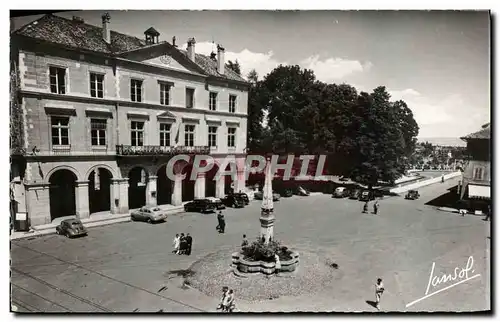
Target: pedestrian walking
<point>277,264</point>
<point>219,219</point>
<point>223,299</point>
<point>375,207</point>
<point>222,225</point>
<point>230,302</point>
<point>488,213</point>
<point>244,242</point>
<point>442,178</point>
<point>189,244</point>
<point>365,207</point>
<point>176,243</point>
<point>182,248</point>
<point>379,290</point>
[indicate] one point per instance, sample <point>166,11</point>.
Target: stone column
<point>220,187</point>
<point>177,191</point>
<point>82,199</point>
<point>119,199</point>
<point>38,204</point>
<point>199,186</point>
<point>151,191</point>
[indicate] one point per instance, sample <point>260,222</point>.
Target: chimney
<point>213,56</point>
<point>190,49</point>
<point>173,41</point>
<point>106,32</point>
<point>220,59</point>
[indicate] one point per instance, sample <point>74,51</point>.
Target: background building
<point>475,184</point>
<point>101,113</point>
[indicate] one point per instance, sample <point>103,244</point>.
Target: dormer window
<point>152,36</point>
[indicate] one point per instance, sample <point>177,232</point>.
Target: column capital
<point>151,178</point>
<point>119,180</point>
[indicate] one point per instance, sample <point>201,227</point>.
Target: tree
<point>252,76</point>
<point>234,66</point>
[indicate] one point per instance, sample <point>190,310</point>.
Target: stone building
<point>103,113</point>
<point>476,178</point>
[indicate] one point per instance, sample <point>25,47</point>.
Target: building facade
<point>103,113</point>
<point>476,178</point>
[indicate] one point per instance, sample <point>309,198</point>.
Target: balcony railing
<point>160,150</point>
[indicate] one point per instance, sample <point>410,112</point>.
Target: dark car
<point>412,195</point>
<point>340,192</point>
<point>200,205</point>
<point>259,195</point>
<point>366,195</point>
<point>217,202</point>
<point>355,194</point>
<point>243,196</point>
<point>234,201</point>
<point>71,228</point>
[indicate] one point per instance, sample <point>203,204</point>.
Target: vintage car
<point>340,192</point>
<point>71,228</point>
<point>355,194</point>
<point>287,193</point>
<point>200,205</point>
<point>217,202</point>
<point>234,201</point>
<point>259,195</point>
<point>412,195</point>
<point>242,195</point>
<point>149,214</point>
<point>366,195</point>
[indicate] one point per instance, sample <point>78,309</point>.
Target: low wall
<point>425,182</point>
<point>268,268</point>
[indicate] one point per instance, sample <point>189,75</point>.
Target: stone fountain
<point>267,219</point>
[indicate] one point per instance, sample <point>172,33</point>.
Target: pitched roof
<point>80,35</point>
<point>152,31</point>
<point>483,134</point>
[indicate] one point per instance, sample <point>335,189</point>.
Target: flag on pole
<point>177,135</point>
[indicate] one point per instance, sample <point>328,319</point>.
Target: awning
<point>482,192</point>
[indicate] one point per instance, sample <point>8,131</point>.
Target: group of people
<point>221,226</point>
<point>182,244</point>
<point>375,207</point>
<point>227,303</point>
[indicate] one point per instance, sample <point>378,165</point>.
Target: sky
<point>438,62</point>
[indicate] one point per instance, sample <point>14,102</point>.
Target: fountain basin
<point>268,268</point>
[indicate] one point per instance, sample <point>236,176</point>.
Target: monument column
<point>267,209</point>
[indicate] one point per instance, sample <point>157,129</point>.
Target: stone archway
<point>137,183</point>
<point>229,183</point>
<point>100,190</point>
<point>188,185</point>
<point>164,187</point>
<point>211,182</point>
<point>62,193</point>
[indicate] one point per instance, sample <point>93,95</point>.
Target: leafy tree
<point>252,76</point>
<point>235,66</point>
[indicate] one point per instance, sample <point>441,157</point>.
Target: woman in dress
<point>277,265</point>
<point>176,243</point>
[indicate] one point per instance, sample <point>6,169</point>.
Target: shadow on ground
<point>372,303</point>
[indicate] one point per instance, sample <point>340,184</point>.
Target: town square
<point>163,166</point>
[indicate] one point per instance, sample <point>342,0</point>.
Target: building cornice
<point>109,101</point>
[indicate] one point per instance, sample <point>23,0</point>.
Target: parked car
<point>233,200</point>
<point>149,214</point>
<point>301,191</point>
<point>412,195</point>
<point>200,205</point>
<point>340,192</point>
<point>366,195</point>
<point>243,196</point>
<point>355,194</point>
<point>71,228</point>
<point>217,202</point>
<point>259,195</point>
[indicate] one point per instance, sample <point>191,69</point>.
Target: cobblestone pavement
<point>129,266</point>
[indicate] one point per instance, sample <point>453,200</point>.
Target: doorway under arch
<point>137,182</point>
<point>100,190</point>
<point>210,182</point>
<point>62,194</point>
<point>229,183</point>
<point>188,184</point>
<point>164,187</point>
